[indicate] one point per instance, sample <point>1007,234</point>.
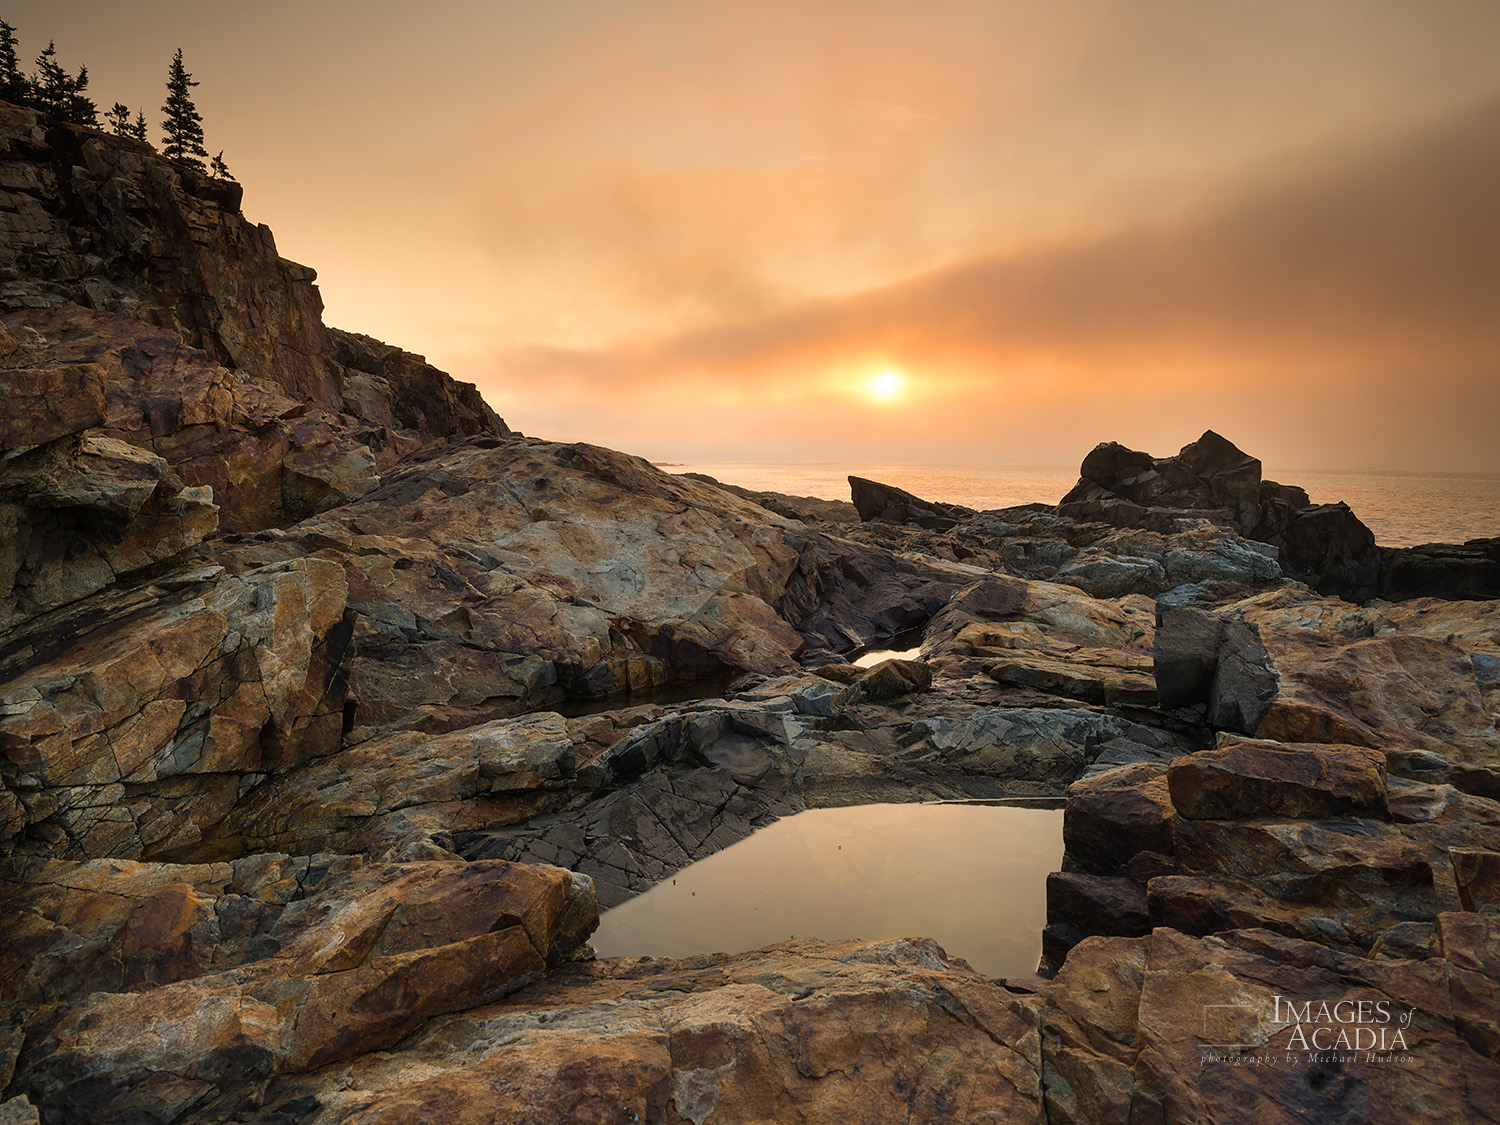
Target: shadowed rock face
<point>288,831</point>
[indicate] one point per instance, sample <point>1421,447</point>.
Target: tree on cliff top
<point>183,126</point>
<point>58,95</point>
<point>13,84</point>
<point>122,125</point>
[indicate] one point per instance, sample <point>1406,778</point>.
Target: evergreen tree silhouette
<point>182,125</point>
<point>50,87</point>
<point>57,95</point>
<point>219,168</point>
<point>13,84</point>
<point>79,109</point>
<point>118,119</point>
<point>54,94</point>
<point>138,130</point>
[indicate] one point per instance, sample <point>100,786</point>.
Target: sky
<point>825,230</point>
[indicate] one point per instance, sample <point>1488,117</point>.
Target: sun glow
<point>886,386</point>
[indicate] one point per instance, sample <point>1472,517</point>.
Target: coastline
<point>1402,508</point>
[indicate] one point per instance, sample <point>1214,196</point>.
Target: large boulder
<point>81,510</point>
<point>497,576</point>
<point>889,504</point>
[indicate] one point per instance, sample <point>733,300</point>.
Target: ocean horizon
<point>1403,509</point>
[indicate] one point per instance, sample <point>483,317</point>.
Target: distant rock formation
<point>888,504</point>
<point>1324,544</point>
<point>1204,514</point>
<point>808,509</point>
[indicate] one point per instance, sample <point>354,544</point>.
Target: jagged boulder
<point>1324,544</point>
<point>1420,676</point>
<point>394,389</point>
<point>889,504</point>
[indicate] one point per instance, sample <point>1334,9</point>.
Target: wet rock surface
<point>327,726</point>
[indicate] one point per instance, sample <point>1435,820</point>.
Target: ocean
<point>1402,509</point>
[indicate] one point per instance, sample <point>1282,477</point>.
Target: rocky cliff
<point>331,712</point>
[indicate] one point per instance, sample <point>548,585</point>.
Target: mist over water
<point>1402,509</point>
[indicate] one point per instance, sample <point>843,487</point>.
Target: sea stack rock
<point>887,504</point>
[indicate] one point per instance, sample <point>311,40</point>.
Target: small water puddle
<point>903,646</point>
<point>971,876</point>
<point>877,656</point>
<point>686,691</point>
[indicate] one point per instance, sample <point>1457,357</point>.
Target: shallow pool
<point>972,876</point>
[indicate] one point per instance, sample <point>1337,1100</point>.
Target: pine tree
<point>182,126</point>
<point>220,169</point>
<point>56,95</point>
<point>138,130</point>
<point>118,119</point>
<point>50,87</point>
<point>78,109</point>
<point>13,84</point>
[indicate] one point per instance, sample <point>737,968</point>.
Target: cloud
<point>1376,274</point>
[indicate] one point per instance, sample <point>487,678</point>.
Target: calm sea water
<point>972,877</point>
<point>1402,509</point>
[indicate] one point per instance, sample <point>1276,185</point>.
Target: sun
<point>886,386</point>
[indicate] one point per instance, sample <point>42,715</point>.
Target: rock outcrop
<point>200,985</point>
<point>1324,544</point>
<point>887,504</point>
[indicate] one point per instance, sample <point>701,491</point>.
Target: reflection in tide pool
<point>971,876</point>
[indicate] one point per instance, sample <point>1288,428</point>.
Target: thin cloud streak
<point>1380,272</point>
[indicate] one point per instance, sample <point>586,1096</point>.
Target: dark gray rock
<point>1244,683</point>
<point>1185,654</point>
<point>888,504</point>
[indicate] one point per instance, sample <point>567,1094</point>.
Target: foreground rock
<point>135,718</point>
<point>1312,841</point>
<point>1411,679</point>
<point>804,1031</point>
<point>204,983</point>
<point>1295,1030</point>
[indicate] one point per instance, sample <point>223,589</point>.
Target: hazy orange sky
<point>702,229</point>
